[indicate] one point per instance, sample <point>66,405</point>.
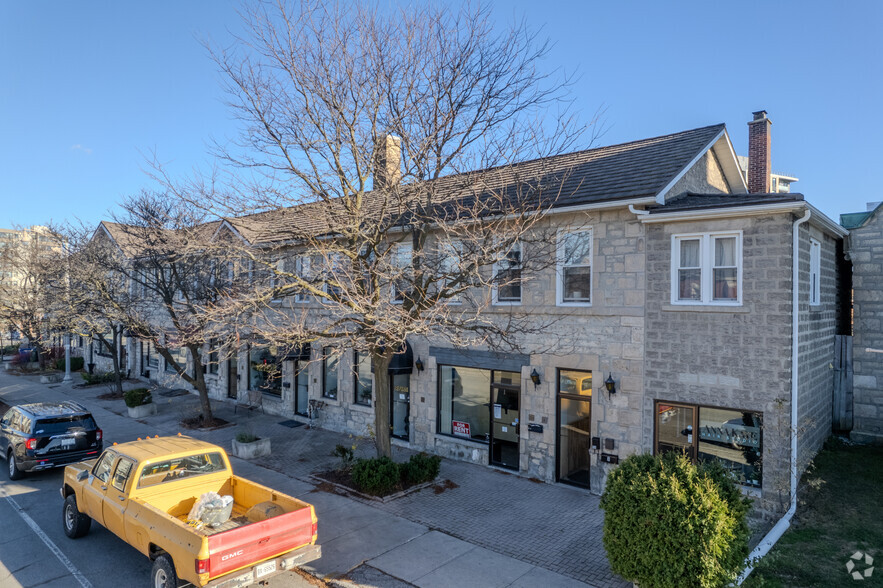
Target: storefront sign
<point>460,428</point>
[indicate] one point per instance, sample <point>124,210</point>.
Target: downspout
<point>780,527</point>
<point>636,212</point>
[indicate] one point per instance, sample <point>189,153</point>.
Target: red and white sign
<point>461,428</point>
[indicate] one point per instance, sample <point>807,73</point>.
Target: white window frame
<point>397,251</point>
<point>815,272</point>
<point>706,268</point>
<point>499,266</point>
<point>559,266</point>
<point>333,264</point>
<point>303,267</point>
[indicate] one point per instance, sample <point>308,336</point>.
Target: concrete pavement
<point>483,528</point>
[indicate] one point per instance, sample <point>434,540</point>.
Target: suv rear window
<point>63,424</point>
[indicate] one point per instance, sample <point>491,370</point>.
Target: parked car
<point>45,435</point>
<point>146,492</point>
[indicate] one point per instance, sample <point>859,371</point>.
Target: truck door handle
<point>121,498</point>
<point>104,487</point>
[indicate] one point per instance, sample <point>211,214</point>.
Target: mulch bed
<point>344,478</point>
<point>198,423</point>
<point>110,396</point>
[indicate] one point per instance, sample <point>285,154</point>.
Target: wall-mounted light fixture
<point>419,364</point>
<point>610,384</point>
<point>535,377</point>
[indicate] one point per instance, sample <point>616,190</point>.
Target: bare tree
<point>25,290</point>
<point>362,131</point>
<point>155,272</point>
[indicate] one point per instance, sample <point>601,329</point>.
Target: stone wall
<point>866,253</point>
<point>736,357</point>
<point>817,327</point>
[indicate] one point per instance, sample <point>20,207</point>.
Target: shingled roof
<point>638,169</point>
<point>693,201</point>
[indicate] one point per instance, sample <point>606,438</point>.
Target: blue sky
<point>92,88</point>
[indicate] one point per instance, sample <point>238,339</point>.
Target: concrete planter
<point>50,379</point>
<point>251,450</point>
<point>137,412</point>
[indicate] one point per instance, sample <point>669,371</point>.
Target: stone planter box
<point>251,450</point>
<point>137,412</point>
<point>50,379</point>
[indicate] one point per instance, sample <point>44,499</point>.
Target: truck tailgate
<point>247,545</point>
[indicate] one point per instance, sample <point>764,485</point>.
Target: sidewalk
<point>486,528</point>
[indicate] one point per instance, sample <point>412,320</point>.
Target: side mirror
<point>82,475</point>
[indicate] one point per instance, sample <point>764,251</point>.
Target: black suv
<point>46,435</point>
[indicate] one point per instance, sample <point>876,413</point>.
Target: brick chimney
<point>387,162</point>
<point>759,153</point>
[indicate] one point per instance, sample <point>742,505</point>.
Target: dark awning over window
<point>301,353</point>
<point>402,362</point>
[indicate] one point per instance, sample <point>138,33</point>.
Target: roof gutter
<point>780,527</point>
<point>728,212</point>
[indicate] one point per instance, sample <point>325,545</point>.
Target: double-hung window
<point>574,267</point>
<point>363,380</point>
<point>450,261</point>
<point>400,265</point>
<point>707,268</point>
<point>334,273</point>
<point>507,276</point>
<point>815,261</point>
<point>329,373</point>
<point>303,269</point>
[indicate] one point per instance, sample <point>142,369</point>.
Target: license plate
<point>264,569</point>
<point>68,442</point>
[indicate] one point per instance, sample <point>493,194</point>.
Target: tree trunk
<point>200,384</point>
<point>382,426</point>
<point>115,354</point>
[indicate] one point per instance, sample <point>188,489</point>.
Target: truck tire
<point>163,574</point>
<point>12,470</point>
<point>75,523</point>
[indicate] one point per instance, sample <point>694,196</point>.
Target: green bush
<point>376,476</point>
<point>76,364</point>
<point>346,455</point>
<point>420,468</point>
<point>668,523</point>
<point>103,378</point>
<point>137,397</point>
<point>246,437</point>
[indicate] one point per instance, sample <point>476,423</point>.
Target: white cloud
<point>82,148</point>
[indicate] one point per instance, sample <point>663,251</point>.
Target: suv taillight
<point>98,434</point>
<point>31,443</point>
<point>202,566</point>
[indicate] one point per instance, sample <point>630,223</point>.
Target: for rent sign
<point>460,428</point>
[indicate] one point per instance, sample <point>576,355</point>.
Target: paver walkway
<point>517,531</point>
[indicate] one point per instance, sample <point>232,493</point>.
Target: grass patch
<point>840,512</point>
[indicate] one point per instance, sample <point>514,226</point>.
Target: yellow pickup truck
<point>143,491</point>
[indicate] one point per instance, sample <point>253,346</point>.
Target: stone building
<point>678,334</point>
<point>865,250</point>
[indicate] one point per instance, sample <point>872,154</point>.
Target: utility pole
<point>67,358</point>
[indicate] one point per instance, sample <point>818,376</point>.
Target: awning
<point>301,353</point>
<point>402,362</point>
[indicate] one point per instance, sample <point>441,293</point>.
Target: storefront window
<point>213,357</point>
<point>363,381</point>
<point>152,355</point>
<point>463,402</point>
<point>265,370</point>
<point>329,373</point>
<point>177,354</point>
<point>731,437</point>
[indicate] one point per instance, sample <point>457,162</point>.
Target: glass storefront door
<point>400,412</point>
<point>232,376</point>
<point>505,395</point>
<point>301,388</point>
<point>574,426</point>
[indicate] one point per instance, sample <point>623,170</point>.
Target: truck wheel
<point>14,472</point>
<point>163,573</point>
<point>75,523</point>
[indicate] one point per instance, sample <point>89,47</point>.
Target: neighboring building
<point>865,250</point>
<point>682,300</point>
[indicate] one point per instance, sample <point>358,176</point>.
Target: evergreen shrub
<point>669,523</point>
<point>76,364</point>
<point>137,397</point>
<point>376,476</point>
<point>420,468</point>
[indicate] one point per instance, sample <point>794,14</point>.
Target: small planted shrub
<point>420,468</point>
<point>103,378</point>
<point>137,397</point>
<point>376,476</point>
<point>346,456</point>
<point>76,364</point>
<point>668,522</point>
<point>245,437</point>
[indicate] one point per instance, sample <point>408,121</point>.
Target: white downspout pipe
<point>637,212</point>
<point>780,527</point>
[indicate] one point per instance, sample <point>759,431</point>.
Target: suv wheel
<point>14,472</point>
<point>75,523</point>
